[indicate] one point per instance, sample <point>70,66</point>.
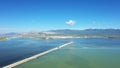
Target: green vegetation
<point>3,38</point>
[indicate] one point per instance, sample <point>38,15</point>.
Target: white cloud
<point>70,22</point>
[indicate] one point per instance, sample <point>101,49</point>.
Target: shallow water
<point>84,53</point>
<point>17,49</point>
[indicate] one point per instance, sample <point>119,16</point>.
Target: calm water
<point>84,53</point>
<point>16,49</point>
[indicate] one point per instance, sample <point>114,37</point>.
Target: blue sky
<point>27,15</point>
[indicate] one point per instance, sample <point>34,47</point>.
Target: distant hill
<point>89,32</point>
<point>9,34</point>
<point>104,33</point>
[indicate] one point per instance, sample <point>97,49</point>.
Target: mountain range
<point>89,32</point>
<point>69,32</point>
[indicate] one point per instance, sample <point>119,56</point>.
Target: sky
<point>28,15</point>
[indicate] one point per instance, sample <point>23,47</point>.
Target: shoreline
<point>60,37</point>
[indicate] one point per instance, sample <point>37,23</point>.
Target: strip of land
<point>3,38</point>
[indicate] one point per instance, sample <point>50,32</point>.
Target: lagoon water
<point>83,53</point>
<point>20,48</point>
